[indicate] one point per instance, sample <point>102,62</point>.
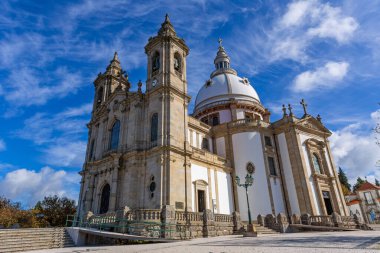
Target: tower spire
<point>167,28</point>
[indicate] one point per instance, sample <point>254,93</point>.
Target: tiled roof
<point>353,202</point>
<point>368,186</point>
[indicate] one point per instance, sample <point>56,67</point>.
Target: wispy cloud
<point>59,137</point>
<point>325,77</point>
<point>2,145</point>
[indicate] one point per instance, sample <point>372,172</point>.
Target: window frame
<point>114,140</point>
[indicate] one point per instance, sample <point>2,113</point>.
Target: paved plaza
<point>356,241</point>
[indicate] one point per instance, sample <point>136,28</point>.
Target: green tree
<point>377,183</point>
<point>344,180</point>
<point>55,210</point>
<point>359,182</point>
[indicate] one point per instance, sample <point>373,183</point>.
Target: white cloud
<point>326,77</point>
<point>333,24</point>
<point>296,13</point>
<point>3,146</point>
<point>302,23</point>
<point>29,186</point>
<point>355,150</point>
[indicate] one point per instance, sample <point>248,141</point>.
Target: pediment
<point>311,123</point>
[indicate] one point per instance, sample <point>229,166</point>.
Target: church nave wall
<point>247,147</point>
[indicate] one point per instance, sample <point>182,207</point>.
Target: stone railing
<point>166,222</point>
<point>321,220</point>
<point>105,218</point>
<point>223,218</point>
<point>144,215</point>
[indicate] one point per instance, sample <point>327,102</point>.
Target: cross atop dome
<point>220,42</point>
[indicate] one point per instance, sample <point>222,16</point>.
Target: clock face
<point>154,82</point>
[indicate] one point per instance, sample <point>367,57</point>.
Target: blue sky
<point>51,51</point>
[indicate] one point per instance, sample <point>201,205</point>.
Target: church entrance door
<point>105,199</point>
<point>327,200</point>
<point>201,201</point>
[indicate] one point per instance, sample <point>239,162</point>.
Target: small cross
<point>220,42</point>
<point>304,105</point>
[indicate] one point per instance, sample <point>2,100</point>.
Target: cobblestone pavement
<point>356,241</point>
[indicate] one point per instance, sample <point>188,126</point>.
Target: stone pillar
<point>208,223</point>
<point>121,219</point>
<point>283,222</point>
<point>260,220</point>
<point>89,194</point>
<point>114,183</point>
<point>337,220</point>
<point>236,221</point>
<point>168,222</point>
<point>305,219</point>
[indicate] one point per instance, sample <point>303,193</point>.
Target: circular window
<point>152,186</point>
<point>250,168</point>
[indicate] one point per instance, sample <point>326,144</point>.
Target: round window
<point>152,186</point>
<point>250,168</point>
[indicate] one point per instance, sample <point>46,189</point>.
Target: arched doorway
<point>105,199</point>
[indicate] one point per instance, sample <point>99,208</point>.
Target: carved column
<point>115,174</point>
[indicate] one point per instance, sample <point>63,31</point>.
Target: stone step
<point>16,240</point>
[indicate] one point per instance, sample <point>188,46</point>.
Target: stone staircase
<point>261,230</point>
<point>16,240</point>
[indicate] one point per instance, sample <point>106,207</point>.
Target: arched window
<point>177,62</point>
<point>115,135</point>
<point>316,164</point>
<point>105,199</point>
<point>154,129</point>
<point>156,62</point>
<point>99,96</point>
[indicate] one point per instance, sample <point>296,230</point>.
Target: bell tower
<point>166,85</point>
<point>167,111</point>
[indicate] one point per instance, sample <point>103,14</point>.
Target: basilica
<point>146,150</point>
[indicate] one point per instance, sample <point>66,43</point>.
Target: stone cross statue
<point>304,105</point>
<point>290,108</point>
<point>220,42</point>
<point>284,110</point>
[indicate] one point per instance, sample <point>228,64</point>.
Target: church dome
<point>224,85</point>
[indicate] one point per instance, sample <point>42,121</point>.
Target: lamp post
<point>248,182</point>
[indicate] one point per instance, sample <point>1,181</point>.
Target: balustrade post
<point>236,221</point>
<point>168,222</point>
<point>260,220</point>
<point>208,223</point>
<point>87,216</point>
<point>296,219</point>
<point>305,219</point>
<point>337,220</point>
<point>283,222</point>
